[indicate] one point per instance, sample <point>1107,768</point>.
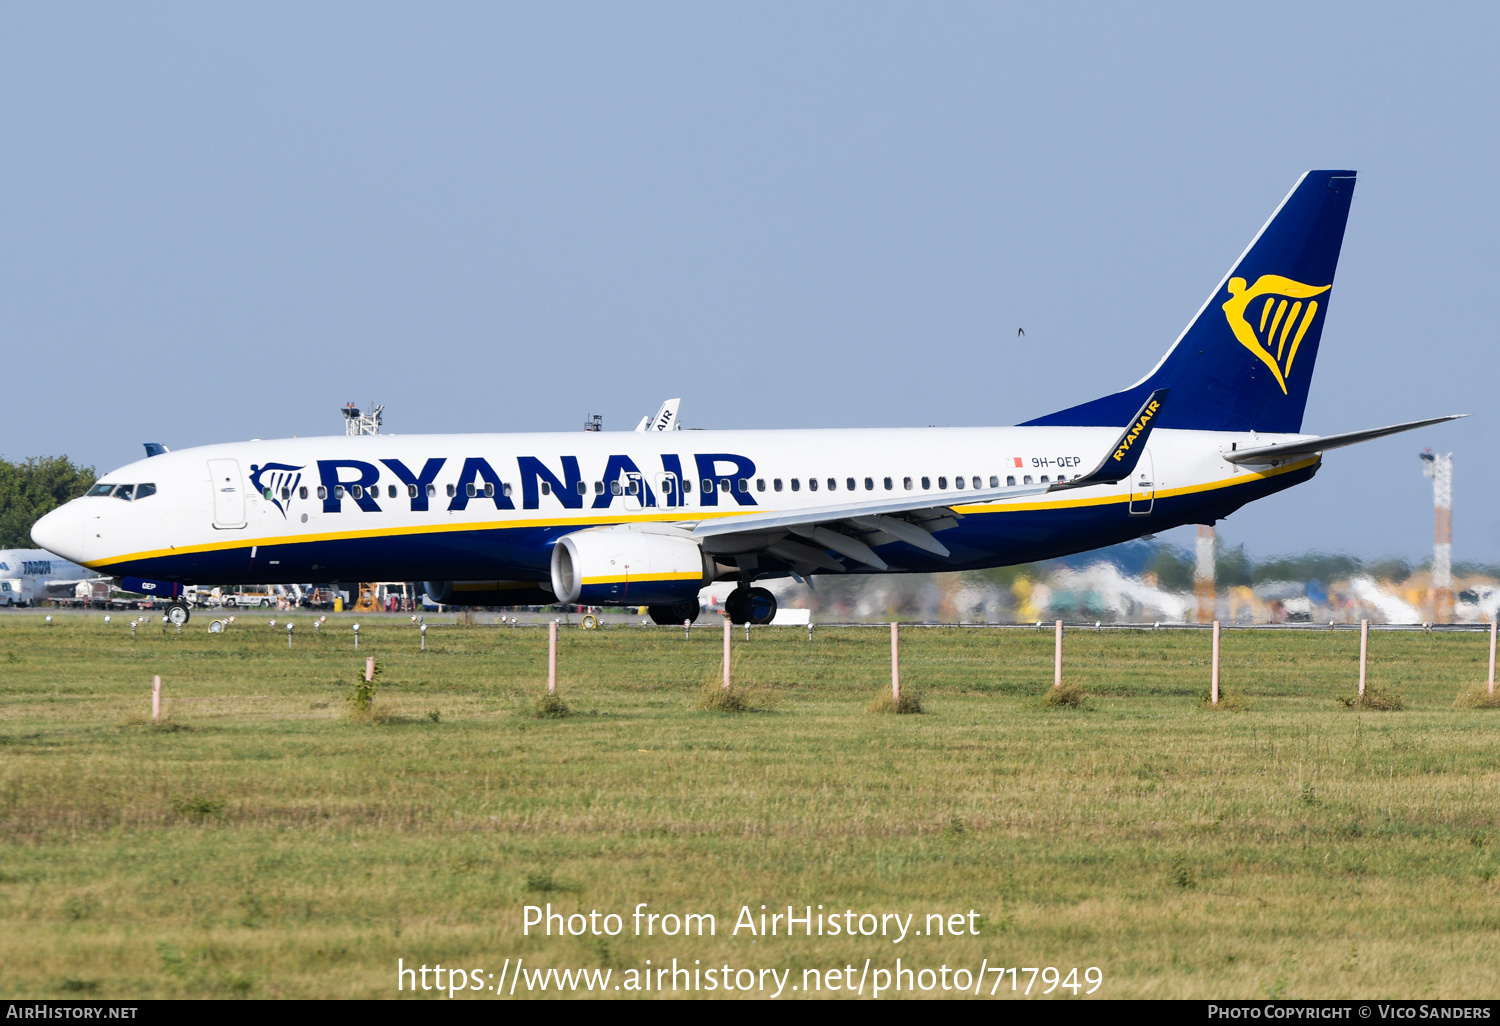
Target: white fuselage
<point>208,521</point>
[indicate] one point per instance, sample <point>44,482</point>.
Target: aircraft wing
<point>851,529</point>
<point>1284,451</point>
<point>854,529</point>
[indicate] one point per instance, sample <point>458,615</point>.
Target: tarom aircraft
<point>649,517</point>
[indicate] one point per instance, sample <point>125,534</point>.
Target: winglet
<point>1119,463</point>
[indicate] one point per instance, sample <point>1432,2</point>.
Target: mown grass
<point>264,842</point>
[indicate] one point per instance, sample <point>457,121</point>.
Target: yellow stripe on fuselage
<point>682,514</point>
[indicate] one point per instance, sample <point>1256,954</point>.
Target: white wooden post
<point>1057,659</point>
<point>726,652</point>
<point>1493,624</point>
<point>552,657</point>
<point>1214,676</point>
<point>370,668</point>
<point>895,667</point>
<point>156,699</point>
<point>1364,650</point>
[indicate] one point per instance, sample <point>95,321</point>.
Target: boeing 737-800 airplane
<point>649,518</point>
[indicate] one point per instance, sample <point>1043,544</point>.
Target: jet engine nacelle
<point>629,564</point>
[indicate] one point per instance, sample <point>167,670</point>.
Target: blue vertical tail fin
<point>1246,360</point>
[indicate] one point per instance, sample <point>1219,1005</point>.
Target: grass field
<point>263,842</point>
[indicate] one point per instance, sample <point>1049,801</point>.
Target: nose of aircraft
<point>61,532</point>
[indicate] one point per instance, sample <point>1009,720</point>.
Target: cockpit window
<point>126,492</point>
<point>143,490</point>
<point>101,489</point>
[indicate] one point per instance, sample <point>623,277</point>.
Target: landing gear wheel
<point>178,613</point>
<point>760,605</point>
<point>734,606</point>
<point>672,616</point>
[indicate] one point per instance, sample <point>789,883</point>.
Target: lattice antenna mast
<point>359,423</point>
<point>1440,469</point>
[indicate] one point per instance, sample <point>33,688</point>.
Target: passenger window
<point>776,484</point>
<point>708,484</point>
<point>1044,479</point>
<point>744,485</point>
<point>141,491</point>
<point>265,493</point>
<point>1010,481</point>
<point>796,484</point>
<point>469,489</point>
<point>812,484</point>
<point>489,489</point>
<point>322,492</point>
<point>926,483</point>
<point>723,484</point>
<point>286,493</point>
<point>390,491</point>
<point>411,491</point>
<point>302,492</point>
<point>687,486</point>
<point>546,488</point>
<point>598,487</point>
<point>958,482</point>
<point>101,489</point>
<point>942,482</point>
<point>358,491</point>
<point>633,487</point>
<point>338,491</point>
<point>450,491</point>
<point>504,490</point>
<point>1026,479</point>
<point>615,489</point>
<point>994,481</point>
<point>583,489</point>
<point>849,483</point>
<point>760,484</point>
<point>906,483</point>
<point>888,484</point>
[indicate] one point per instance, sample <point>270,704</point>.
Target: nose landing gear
<point>178,613</point>
<point>750,605</point>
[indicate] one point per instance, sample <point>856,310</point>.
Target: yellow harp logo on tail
<point>1271,317</point>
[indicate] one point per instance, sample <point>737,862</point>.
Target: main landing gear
<point>750,605</point>
<point>672,616</point>
<point>178,613</point>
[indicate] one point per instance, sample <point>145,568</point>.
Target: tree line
<point>33,488</point>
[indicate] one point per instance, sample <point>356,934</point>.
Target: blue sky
<point>224,221</point>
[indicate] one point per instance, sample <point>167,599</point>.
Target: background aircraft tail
<point>1246,360</point>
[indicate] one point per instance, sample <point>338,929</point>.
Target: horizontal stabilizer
<point>1291,450</point>
<point>1119,462</point>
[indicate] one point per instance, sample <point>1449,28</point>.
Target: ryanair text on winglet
<point>1135,432</point>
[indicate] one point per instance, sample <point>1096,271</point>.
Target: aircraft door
<point>666,487</point>
<point>1143,486</point>
<point>229,493</point>
<point>635,489</point>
